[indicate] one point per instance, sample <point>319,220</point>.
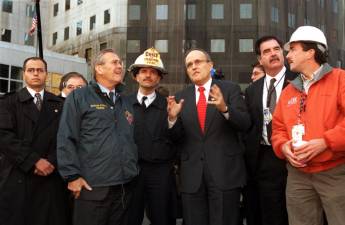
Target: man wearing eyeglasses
<point>212,112</point>
<point>96,151</point>
<point>309,131</point>
<point>71,81</point>
<point>31,190</point>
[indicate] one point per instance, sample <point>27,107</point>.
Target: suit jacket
<point>219,146</point>
<point>26,135</point>
<point>253,98</point>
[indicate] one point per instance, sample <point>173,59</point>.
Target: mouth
<point>274,60</point>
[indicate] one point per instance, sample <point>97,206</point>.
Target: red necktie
<point>201,107</point>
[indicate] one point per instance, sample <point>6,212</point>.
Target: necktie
<point>201,107</point>
<point>111,96</point>
<point>271,104</point>
<point>38,101</point>
<point>143,99</point>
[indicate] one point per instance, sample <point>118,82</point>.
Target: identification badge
<point>297,134</point>
<point>267,116</point>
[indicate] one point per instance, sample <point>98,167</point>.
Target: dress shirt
<point>33,92</point>
<point>150,98</point>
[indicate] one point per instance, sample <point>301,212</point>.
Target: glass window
<point>161,12</point>
<point>106,16</point>
<point>79,28</point>
<point>307,21</point>
<point>88,55</point>
<point>67,4</point>
<point>217,11</point>
<point>323,28</point>
<point>291,20</point>
<point>80,2</point>
<point>29,39</point>
<point>274,14</point>
<point>3,86</point>
<point>322,3</point>
<point>56,9</point>
<point>15,85</point>
<point>16,73</point>
<point>191,11</point>
<point>217,45</point>
<point>133,46</point>
<point>92,22</point>
<point>335,6</point>
<point>30,10</point>
<point>134,12</point>
<point>103,46</point>
<point>7,6</point>
<point>66,34</point>
<point>246,11</point>
<point>246,45</point>
<point>4,71</point>
<point>55,36</point>
<point>6,35</point>
<point>161,46</point>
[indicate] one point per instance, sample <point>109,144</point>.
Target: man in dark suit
<point>264,195</point>
<point>32,192</point>
<point>155,182</point>
<point>212,164</point>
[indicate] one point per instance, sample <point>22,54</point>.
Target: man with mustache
<point>309,131</point>
<point>264,195</point>
<point>155,182</point>
<point>212,169</point>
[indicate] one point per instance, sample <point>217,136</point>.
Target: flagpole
<point>39,31</point>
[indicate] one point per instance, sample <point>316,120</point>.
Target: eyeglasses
<point>197,62</point>
<point>38,70</point>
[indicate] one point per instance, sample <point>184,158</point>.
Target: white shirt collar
<point>105,90</point>
<point>150,98</point>
<point>33,92</point>
<point>207,86</point>
<point>63,94</point>
<point>278,77</point>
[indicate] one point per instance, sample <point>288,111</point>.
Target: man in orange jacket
<point>309,132</point>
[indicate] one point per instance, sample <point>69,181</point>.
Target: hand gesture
<point>217,99</point>
<point>174,108</point>
<point>310,149</point>
<point>290,156</point>
<point>76,186</point>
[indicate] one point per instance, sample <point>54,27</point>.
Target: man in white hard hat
<point>154,139</point>
<point>309,131</point>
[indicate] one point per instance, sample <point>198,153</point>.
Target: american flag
<point>33,25</point>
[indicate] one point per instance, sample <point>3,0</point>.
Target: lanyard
<point>302,106</point>
<point>267,88</point>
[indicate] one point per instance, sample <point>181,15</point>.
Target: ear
<point>259,59</point>
<point>99,69</point>
<point>311,53</point>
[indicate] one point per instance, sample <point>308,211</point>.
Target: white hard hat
<point>309,34</point>
<point>150,58</point>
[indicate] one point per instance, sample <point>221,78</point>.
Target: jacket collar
<point>298,82</point>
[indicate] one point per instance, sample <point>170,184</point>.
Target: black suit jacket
<point>253,98</point>
<point>219,146</point>
<point>26,135</point>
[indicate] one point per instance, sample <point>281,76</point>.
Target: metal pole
<point>39,31</point>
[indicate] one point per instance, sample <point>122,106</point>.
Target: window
<point>67,4</point>
<point>79,27</point>
<point>217,11</point>
<point>6,35</point>
<point>191,11</point>
<point>55,36</point>
<point>3,85</point>
<point>28,39</point>
<point>7,6</point>
<point>106,16</point>
<point>246,11</point>
<point>133,46</point>
<point>246,45</point>
<point>10,78</point>
<point>56,9</point>
<point>161,12</point>
<point>16,73</point>
<point>79,2</point>
<point>88,55</point>
<point>335,6</point>
<point>66,34</point>
<point>4,71</point>
<point>274,14</point>
<point>134,12</point>
<point>103,46</point>
<point>306,21</point>
<point>322,3</point>
<point>30,10</point>
<point>161,46</point>
<point>92,22</point>
<point>291,20</point>
<point>323,28</point>
<point>217,45</point>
